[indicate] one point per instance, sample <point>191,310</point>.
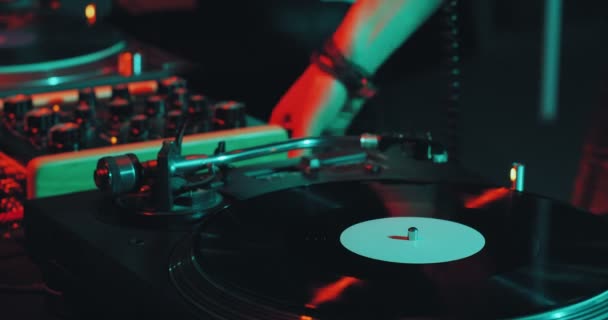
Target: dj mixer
<point>51,141</point>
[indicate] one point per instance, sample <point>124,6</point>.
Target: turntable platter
<point>51,43</point>
<point>283,255</point>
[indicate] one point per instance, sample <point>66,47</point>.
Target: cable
<point>181,132</point>
<point>452,38</point>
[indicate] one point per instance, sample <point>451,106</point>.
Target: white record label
<point>437,240</point>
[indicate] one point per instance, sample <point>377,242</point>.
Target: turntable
<point>356,231</point>
<point>67,53</point>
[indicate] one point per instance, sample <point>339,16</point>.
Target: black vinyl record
<point>48,43</point>
<point>344,251</point>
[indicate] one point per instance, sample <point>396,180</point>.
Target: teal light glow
<point>65,63</point>
<point>53,81</point>
<point>549,98</point>
<point>137,63</point>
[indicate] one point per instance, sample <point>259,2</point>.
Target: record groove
<point>281,257</point>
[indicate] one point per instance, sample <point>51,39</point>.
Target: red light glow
<point>332,291</point>
<point>125,64</point>
<point>486,198</point>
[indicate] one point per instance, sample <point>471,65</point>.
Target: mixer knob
<point>64,137</point>
<point>174,119</point>
<point>179,99</point>
<point>39,121</point>
<point>138,128</point>
<point>120,109</point>
<point>201,112</point>
<point>121,91</point>
<point>83,113</point>
<point>229,115</point>
<point>155,110</point>
<point>87,95</point>
<point>167,85</point>
<point>84,117</point>
<point>17,106</point>
<point>198,105</point>
<point>155,106</point>
<point>60,114</point>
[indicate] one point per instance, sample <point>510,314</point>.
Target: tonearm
<point>163,177</point>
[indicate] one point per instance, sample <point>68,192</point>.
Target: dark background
<point>254,50</point>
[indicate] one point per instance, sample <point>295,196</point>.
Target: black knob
<point>17,106</point>
<point>167,85</point>
<point>174,119</point>
<point>120,109</point>
<point>84,113</point>
<point>39,121</point>
<point>64,137</point>
<point>201,112</point>
<point>84,117</point>
<point>138,128</point>
<point>60,114</point>
<point>87,95</point>
<point>229,115</point>
<point>121,91</point>
<point>199,105</point>
<point>155,106</point>
<point>179,99</point>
